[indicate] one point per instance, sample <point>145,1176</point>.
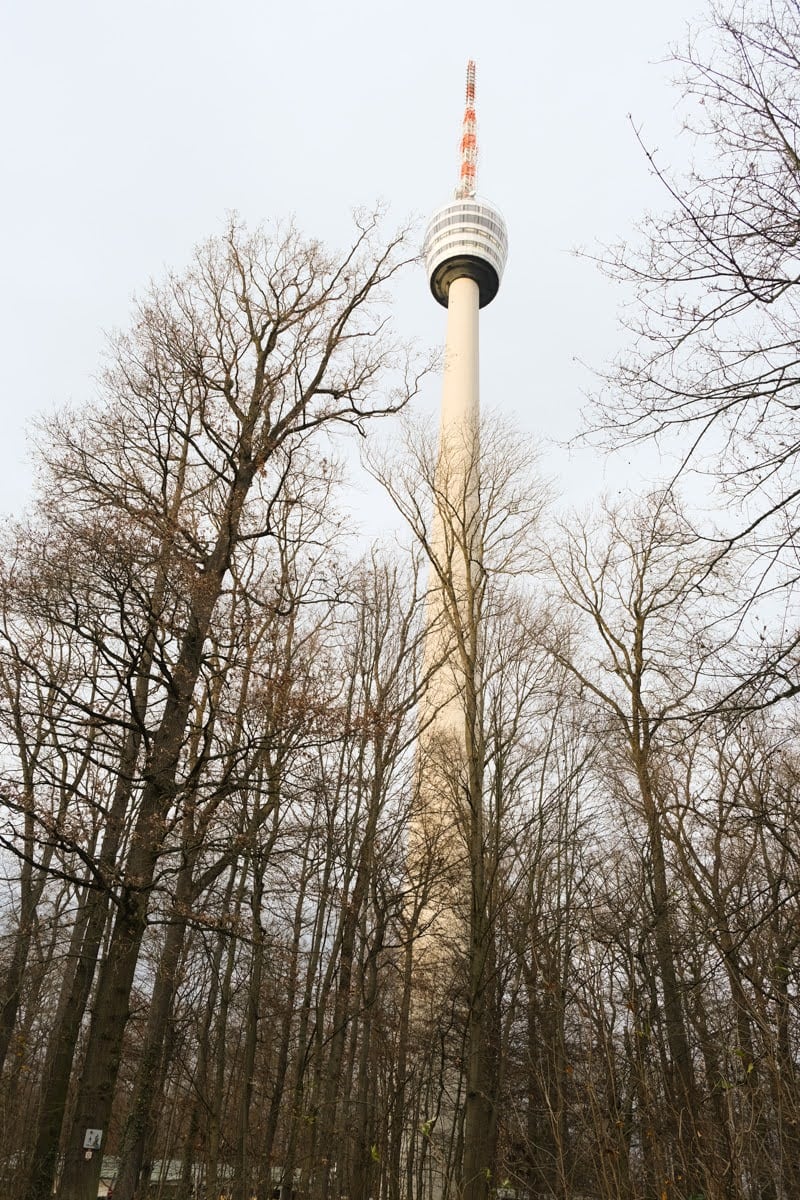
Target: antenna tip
<point>469,140</point>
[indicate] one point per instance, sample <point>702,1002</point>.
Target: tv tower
<point>465,251</point>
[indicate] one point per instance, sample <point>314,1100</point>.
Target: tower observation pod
<point>466,238</point>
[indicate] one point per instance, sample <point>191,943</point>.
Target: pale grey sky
<point>130,130</point>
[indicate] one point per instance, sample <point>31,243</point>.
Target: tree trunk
<point>242,1182</point>
<point>138,1126</point>
<point>86,942</point>
<point>199,1084</point>
<point>398,1126</point>
<point>365,1151</point>
<point>282,1064</point>
<point>482,1039</point>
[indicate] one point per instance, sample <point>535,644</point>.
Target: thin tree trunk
<point>241,1183</point>
<point>398,1128</point>
<point>282,1064</point>
<point>139,1121</point>
<point>365,1150</point>
<point>200,1081</point>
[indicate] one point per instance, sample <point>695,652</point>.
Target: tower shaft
<point>455,535</point>
<point>460,383</point>
<point>447,716</point>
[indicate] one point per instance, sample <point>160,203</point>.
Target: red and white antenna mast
<point>469,141</point>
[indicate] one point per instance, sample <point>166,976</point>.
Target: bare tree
<point>236,365</point>
<point>647,645</point>
<point>470,505</point>
<point>713,358</point>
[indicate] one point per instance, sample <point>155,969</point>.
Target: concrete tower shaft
<point>455,537</point>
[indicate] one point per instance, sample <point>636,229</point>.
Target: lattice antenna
<point>469,142</point>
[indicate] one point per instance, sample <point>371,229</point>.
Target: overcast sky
<point>130,130</point>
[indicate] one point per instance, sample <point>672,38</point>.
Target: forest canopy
<point>235,954</point>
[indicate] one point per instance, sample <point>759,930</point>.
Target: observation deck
<point>466,237</point>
